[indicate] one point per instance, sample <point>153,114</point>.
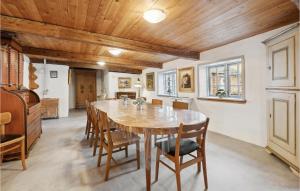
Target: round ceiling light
<point>101,63</point>
<point>115,51</point>
<point>154,15</point>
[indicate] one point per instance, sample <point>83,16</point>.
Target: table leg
<point>147,135</point>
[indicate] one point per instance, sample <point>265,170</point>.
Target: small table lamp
<point>138,84</point>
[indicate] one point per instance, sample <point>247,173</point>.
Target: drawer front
<point>32,137</point>
<point>33,116</point>
<point>35,124</point>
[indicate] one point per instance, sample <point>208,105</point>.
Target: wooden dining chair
<point>183,145</point>
<point>10,142</point>
<point>112,140</point>
<point>96,123</point>
<point>157,102</point>
<point>180,105</point>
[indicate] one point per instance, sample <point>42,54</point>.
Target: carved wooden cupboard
<point>85,87</point>
<point>283,96</point>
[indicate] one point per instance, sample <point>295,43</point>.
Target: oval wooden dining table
<point>150,120</point>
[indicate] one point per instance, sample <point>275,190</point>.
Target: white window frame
<point>225,64</point>
<point>159,85</point>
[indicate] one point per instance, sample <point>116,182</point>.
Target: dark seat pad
<point>5,138</point>
<point>186,146</point>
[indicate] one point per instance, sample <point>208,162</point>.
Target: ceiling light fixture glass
<point>101,63</point>
<point>154,15</point>
<point>115,51</point>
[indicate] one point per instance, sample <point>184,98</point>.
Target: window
<point>222,79</point>
<point>167,83</point>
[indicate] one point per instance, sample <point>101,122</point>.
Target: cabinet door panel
<point>281,59</point>
<point>4,66</point>
<point>282,124</point>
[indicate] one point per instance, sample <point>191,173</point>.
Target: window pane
<point>226,75</point>
<point>234,91</point>
<point>233,69</point>
<point>169,83</point>
<point>234,80</point>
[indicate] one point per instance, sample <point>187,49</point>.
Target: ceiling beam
<point>89,66</point>
<point>79,57</point>
<point>54,31</point>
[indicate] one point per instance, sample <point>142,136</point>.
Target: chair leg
<point>199,163</point>
<point>126,151</point>
<point>88,130</point>
<point>177,171</point>
<point>86,126</point>
<point>96,143</point>
<point>92,137</point>
<point>158,153</point>
<point>109,157</point>
<point>204,172</point>
<point>23,154</point>
<point>138,154</point>
<point>100,153</point>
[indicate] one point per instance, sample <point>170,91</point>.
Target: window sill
<point>227,100</point>
<point>166,96</point>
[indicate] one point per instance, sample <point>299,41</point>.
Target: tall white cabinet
<point>283,96</point>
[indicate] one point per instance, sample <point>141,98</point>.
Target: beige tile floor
<point>61,160</point>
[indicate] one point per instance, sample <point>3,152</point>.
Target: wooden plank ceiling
<point>82,30</point>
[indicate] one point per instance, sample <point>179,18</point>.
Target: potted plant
<point>221,93</point>
<point>139,102</point>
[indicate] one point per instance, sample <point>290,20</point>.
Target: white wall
<point>111,83</point>
<point>246,122</point>
<point>57,87</point>
<point>72,90</point>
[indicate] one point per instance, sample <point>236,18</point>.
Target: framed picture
<point>53,74</point>
<point>150,82</point>
<point>186,79</point>
<point>124,83</point>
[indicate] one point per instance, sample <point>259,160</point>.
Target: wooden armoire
<point>283,96</point>
<point>85,86</point>
<point>22,103</point>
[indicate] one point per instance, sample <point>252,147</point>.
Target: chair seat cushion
<point>186,146</point>
<point>122,138</point>
<point>5,138</point>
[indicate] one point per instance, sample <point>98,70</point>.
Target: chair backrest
<point>104,125</point>
<point>5,118</point>
<point>180,105</point>
<point>197,131</point>
<point>88,108</point>
<point>93,116</point>
<point>157,102</point>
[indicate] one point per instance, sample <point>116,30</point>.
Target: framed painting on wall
<point>150,82</point>
<point>53,74</point>
<point>124,83</point>
<point>186,79</point>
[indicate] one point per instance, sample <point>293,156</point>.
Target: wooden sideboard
<point>131,95</point>
<point>49,108</point>
<point>24,106</point>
